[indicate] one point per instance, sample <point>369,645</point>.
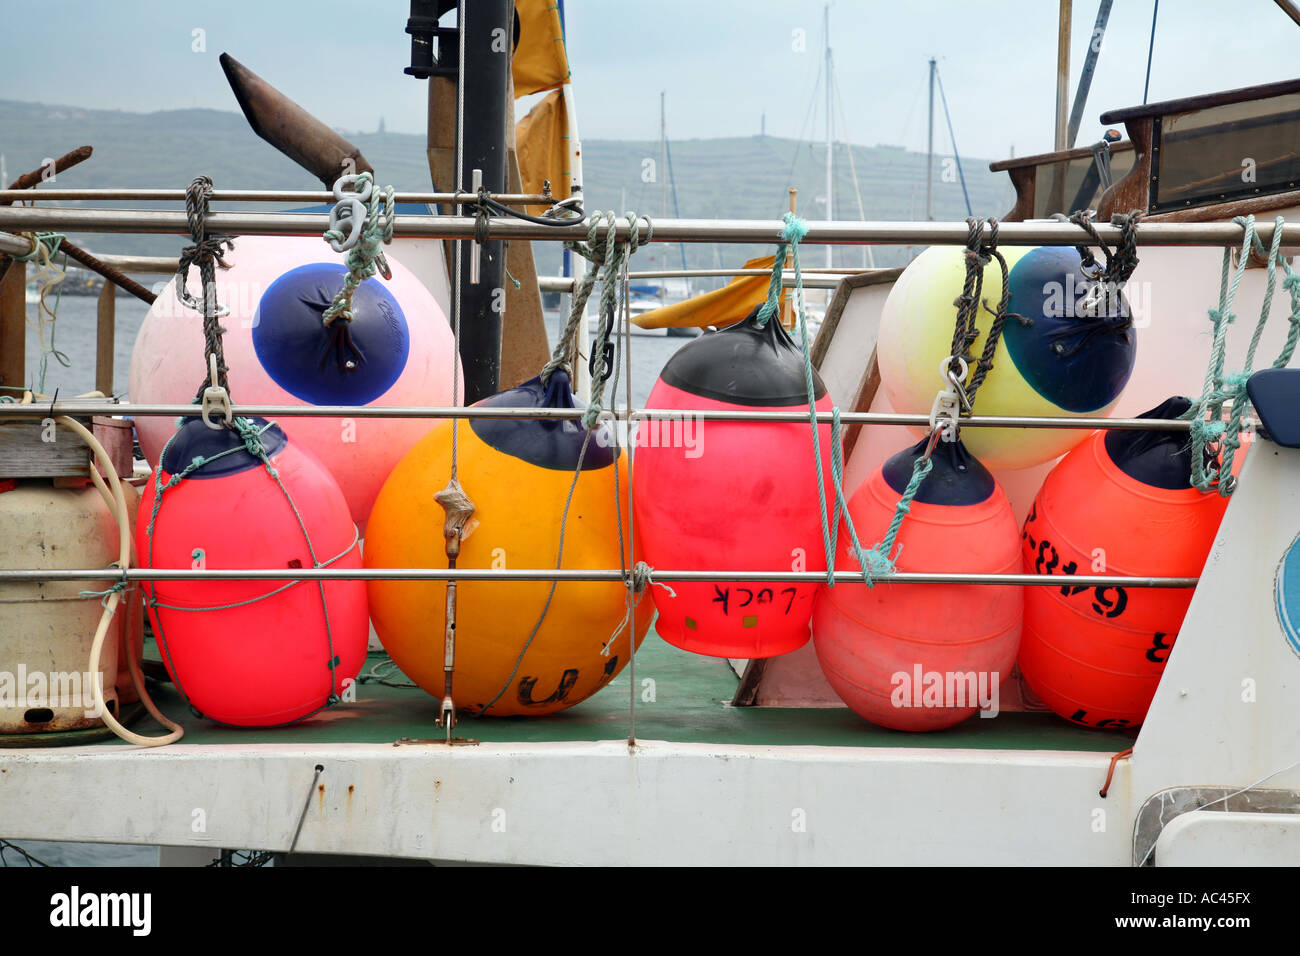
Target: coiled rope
<point>1206,414</point>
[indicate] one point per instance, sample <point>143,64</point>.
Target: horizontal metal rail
<point>824,280</point>
<point>576,575</point>
<point>1033,233</point>
<point>257,195</point>
<point>75,409</point>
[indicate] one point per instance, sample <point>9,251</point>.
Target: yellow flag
<point>724,306</point>
<point>540,61</point>
<point>542,144</point>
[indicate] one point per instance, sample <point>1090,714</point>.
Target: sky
<point>723,64</point>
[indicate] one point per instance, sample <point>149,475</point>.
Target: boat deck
<point>692,705</point>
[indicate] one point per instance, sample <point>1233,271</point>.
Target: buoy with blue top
<point>251,653</point>
<point>922,657</point>
<point>1121,503</point>
<point>543,495</point>
<point>1067,347</point>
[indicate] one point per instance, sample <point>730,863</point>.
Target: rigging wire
<point>1151,46</point>
<point>853,170</point>
<point>953,138</point>
<point>812,107</point>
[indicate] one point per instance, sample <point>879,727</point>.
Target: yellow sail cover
<point>542,144</point>
<point>720,307</point>
<point>540,61</point>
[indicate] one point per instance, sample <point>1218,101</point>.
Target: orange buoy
<point>925,656</point>
<point>1118,504</point>
<point>251,653</point>
<point>734,495</point>
<point>521,647</point>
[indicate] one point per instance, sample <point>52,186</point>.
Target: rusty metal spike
<point>290,128</point>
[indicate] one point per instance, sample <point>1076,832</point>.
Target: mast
<point>929,152</point>
<point>830,132</point>
<point>663,179</point>
<point>484,90</point>
<point>1063,76</point>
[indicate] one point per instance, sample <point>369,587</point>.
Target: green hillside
<point>735,178</point>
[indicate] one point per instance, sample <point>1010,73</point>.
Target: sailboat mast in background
<point>830,133</point>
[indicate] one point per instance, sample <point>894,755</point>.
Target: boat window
<point>1227,152</point>
<point>1072,184</point>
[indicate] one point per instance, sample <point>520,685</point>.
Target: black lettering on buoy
<point>768,599</point>
<point>792,592</point>
<point>723,595</point>
<point>526,685</point>
<point>1158,645</point>
<point>1113,722</point>
<point>749,598</point>
<point>611,666</point>
<point>1080,715</point>
<point>1102,605</point>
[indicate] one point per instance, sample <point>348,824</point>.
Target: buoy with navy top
<point>251,653</point>
<point>396,350</point>
<point>1067,347</point>
<point>733,494</point>
<point>1121,504</point>
<point>522,647</point>
<point>922,657</point>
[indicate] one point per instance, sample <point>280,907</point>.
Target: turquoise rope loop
<point>872,562</point>
<point>1208,427</point>
<point>50,241</point>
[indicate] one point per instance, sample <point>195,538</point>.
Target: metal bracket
<point>1162,807</point>
<point>348,214</point>
<point>216,399</point>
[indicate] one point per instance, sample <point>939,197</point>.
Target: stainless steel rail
<point>1034,233</point>
<point>257,195</point>
<point>796,414</point>
<point>574,575</point>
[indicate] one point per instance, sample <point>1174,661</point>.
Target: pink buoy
<point>167,363</point>
<point>251,653</point>
<point>738,495</point>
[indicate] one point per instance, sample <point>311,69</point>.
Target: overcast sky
<point>722,63</point>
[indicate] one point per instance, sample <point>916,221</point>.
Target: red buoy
<point>734,495</point>
<point>925,656</point>
<point>1118,504</point>
<point>251,653</point>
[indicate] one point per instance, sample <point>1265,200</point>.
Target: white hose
<point>117,505</point>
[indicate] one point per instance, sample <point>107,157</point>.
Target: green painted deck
<point>692,705</point>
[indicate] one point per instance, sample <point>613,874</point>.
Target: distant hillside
<point>735,178</point>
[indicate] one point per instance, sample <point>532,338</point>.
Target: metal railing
<point>670,230</point>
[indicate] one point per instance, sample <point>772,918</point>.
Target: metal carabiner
<point>216,399</point>
<point>948,402</point>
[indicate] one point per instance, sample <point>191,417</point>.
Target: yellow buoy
<point>1054,357</point>
<point>518,474</point>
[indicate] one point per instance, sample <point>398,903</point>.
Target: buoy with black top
<point>1067,347</point>
<point>251,653</point>
<point>1121,504</point>
<point>924,657</point>
<point>733,494</point>
<point>522,647</point>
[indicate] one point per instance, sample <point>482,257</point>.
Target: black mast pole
<point>485,85</point>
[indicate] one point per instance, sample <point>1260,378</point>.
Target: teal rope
<point>362,259</point>
<point>1206,414</point>
<point>50,240</point>
<point>794,231</point>
<point>874,561</point>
